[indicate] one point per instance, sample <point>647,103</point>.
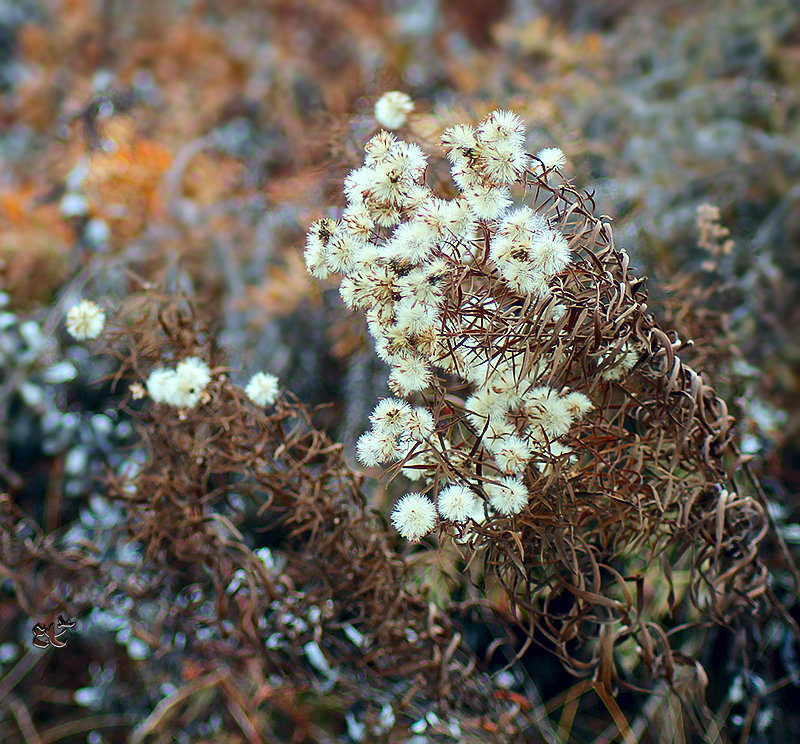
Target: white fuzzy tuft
<point>414,516</point>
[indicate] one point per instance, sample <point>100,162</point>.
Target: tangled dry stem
<point>653,477</point>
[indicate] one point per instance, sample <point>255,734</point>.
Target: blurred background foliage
<point>187,145</point>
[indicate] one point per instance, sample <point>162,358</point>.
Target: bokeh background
<point>187,145</point>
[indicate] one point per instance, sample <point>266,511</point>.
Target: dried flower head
<point>410,374</point>
<point>392,109</point>
<point>512,454</point>
<point>85,320</point>
<point>414,516</point>
<point>551,157</point>
<point>192,376</point>
<point>160,385</point>
<point>420,424</point>
<point>262,389</point>
<point>456,503</point>
<point>137,391</point>
<point>623,363</point>
<point>182,387</point>
<point>502,127</point>
<point>549,252</point>
<point>379,446</point>
<point>509,496</point>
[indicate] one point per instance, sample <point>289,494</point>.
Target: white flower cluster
<point>418,266</point>
<point>85,320</point>
<point>185,386</point>
<point>182,387</point>
<point>397,428</point>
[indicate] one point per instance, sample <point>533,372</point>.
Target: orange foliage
<point>124,177</point>
<point>33,246</point>
<point>210,178</point>
<point>284,288</point>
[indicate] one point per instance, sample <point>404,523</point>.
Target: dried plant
<point>545,411</point>
<point>191,144</point>
<point>334,597</point>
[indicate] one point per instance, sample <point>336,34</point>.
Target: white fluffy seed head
<point>367,256</point>
<point>378,149</point>
<point>409,159</point>
<point>391,415</point>
<point>417,285</point>
<point>381,282</point>
<point>485,405</point>
<point>414,196</point>
<point>456,503</point>
<point>392,109</point>
<point>551,157</point>
<point>382,347</point>
<point>416,317</point>
<point>262,389</point>
<point>502,162</point>
<point>434,214</point>
<point>459,142</point>
<point>522,224</point>
<point>466,175</point>
<point>549,411</point>
<point>549,252</point>
<point>502,127</point>
<point>192,376</point>
<point>319,234</point>
<point>399,343</point>
<point>412,241</point>
<point>522,276</point>
<point>414,516</point>
<point>507,379</point>
<point>513,248</point>
<point>358,184</point>
<point>409,375</point>
<point>316,262</point>
<point>181,387</point>
<point>389,184</point>
<point>348,291</point>
<point>342,252</point>
<point>499,428</point>
<point>425,342</point>
<point>368,450</point>
<point>556,449</point>
<point>357,220</point>
<point>376,447</point>
<point>420,424</point>
<point>511,454</point>
<point>625,363</point>
<point>459,221</point>
<point>160,384</point>
<point>578,404</point>
<point>384,213</point>
<point>509,496</point>
<point>488,202</point>
<point>85,321</point>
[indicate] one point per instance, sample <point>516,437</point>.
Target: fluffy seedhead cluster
<point>232,549</point>
<point>544,414</point>
<point>314,607</point>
